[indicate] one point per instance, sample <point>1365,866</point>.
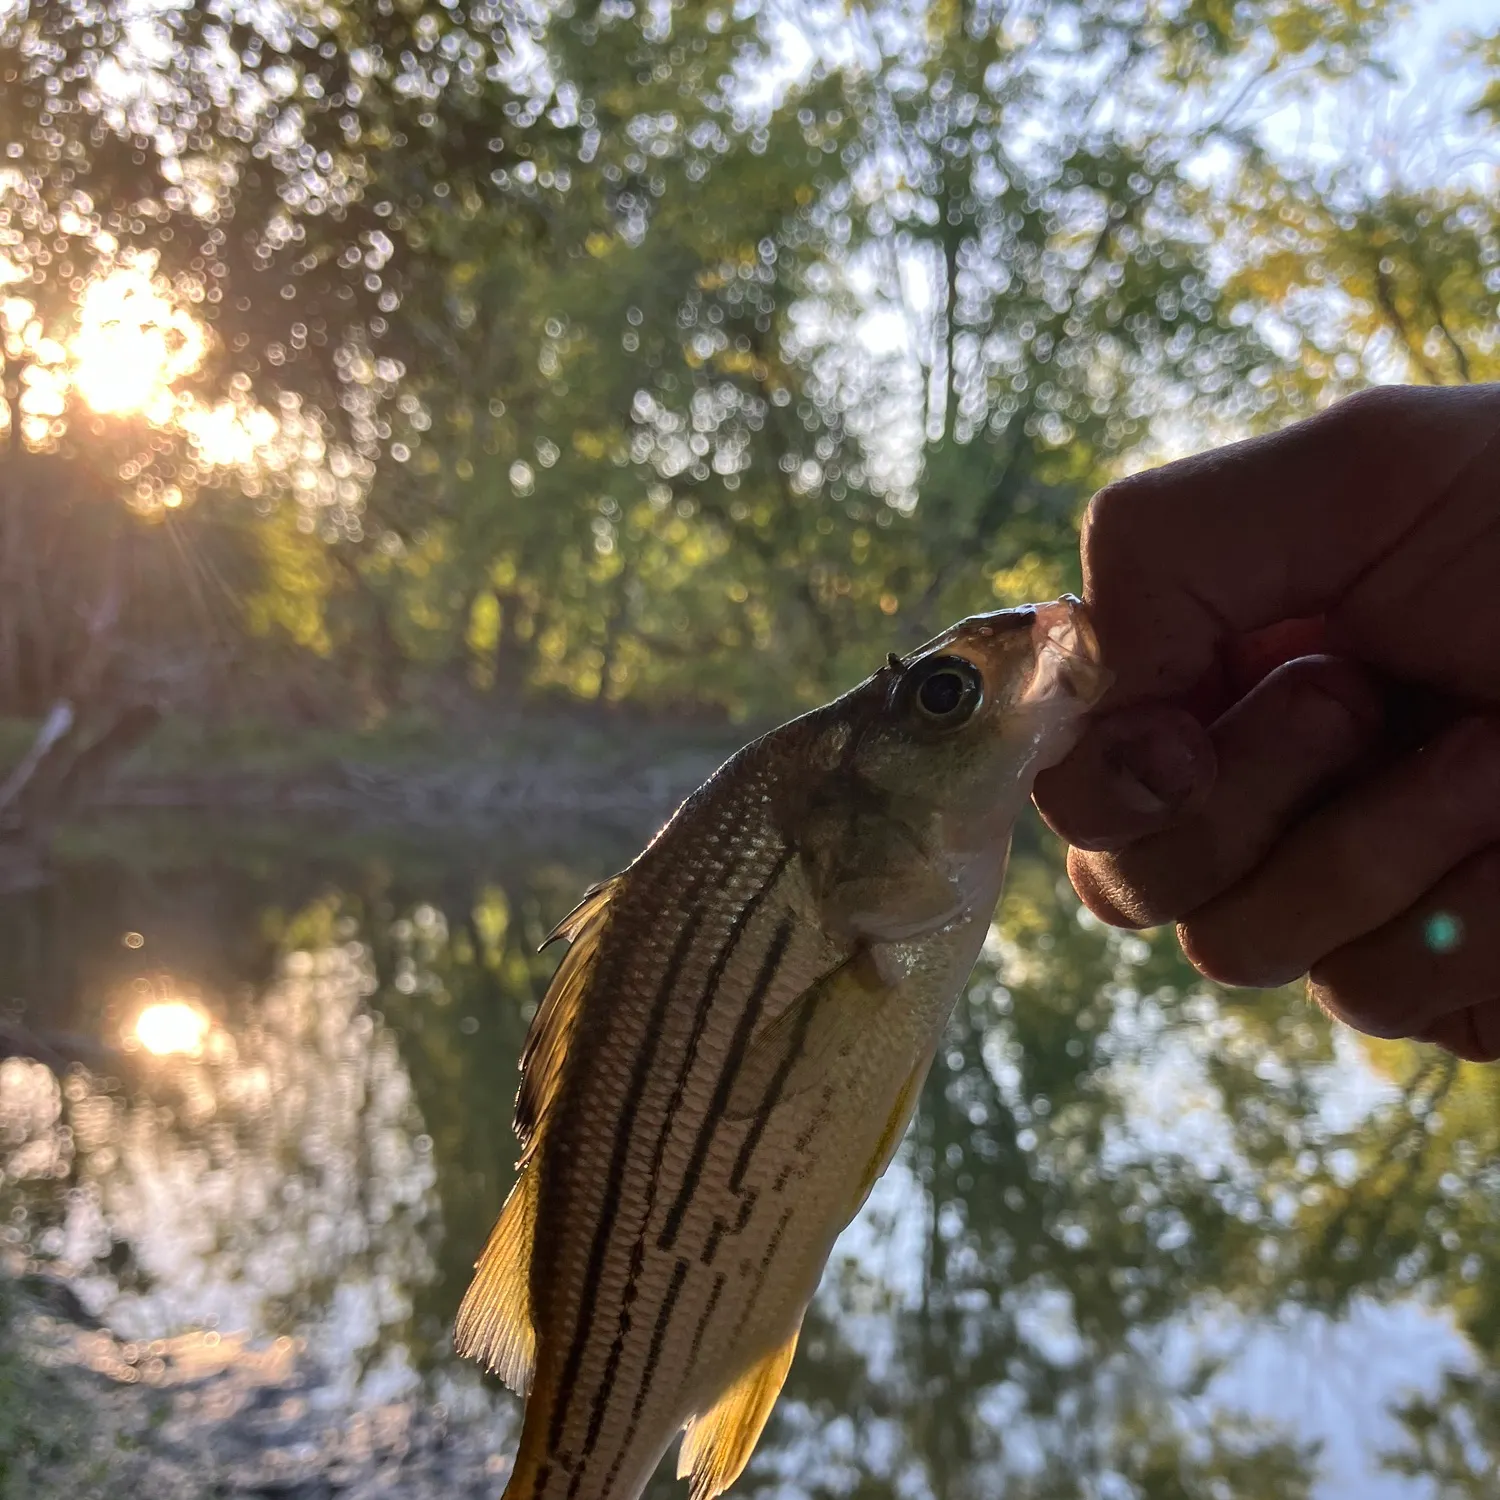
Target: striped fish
<point>733,1046</point>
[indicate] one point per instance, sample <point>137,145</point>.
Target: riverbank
<point>461,773</point>
<point>432,759</point>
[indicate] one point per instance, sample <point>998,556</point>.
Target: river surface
<point>1144,1239</point>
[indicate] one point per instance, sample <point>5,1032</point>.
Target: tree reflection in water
<point>1146,1238</point>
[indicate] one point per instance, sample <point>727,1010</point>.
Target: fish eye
<point>947,690</point>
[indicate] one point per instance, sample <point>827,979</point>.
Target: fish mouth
<point>1068,664</point>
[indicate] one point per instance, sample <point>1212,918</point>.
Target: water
<point>1145,1238</point>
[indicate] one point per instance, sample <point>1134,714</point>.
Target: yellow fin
<point>719,1443</point>
<point>803,1045</point>
<point>595,899</point>
<point>494,1320</point>
<point>895,1128</point>
<point>552,1026</point>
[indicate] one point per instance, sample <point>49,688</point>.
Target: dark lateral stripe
<point>705,1011</point>
<point>720,1282</point>
<point>772,1098</point>
<point>645,1059</point>
<point>706,1001</point>
<point>715,1239</point>
<point>719,1228</point>
<point>658,1334</point>
<point>765,1270</point>
<point>653,1358</point>
<point>738,1046</point>
<point>817,1122</point>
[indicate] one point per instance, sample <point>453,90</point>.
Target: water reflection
<point>1145,1239</point>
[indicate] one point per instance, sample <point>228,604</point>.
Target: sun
<point>171,1026</point>
<point>132,345</point>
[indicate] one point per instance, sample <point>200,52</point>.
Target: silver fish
<point>733,1046</point>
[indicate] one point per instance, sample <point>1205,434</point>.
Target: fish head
<point>906,788</point>
<point>964,723</point>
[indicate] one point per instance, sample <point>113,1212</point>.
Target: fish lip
<point>1067,654</point>
<point>1064,643</point>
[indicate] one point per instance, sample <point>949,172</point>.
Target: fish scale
<point>733,1045</point>
<point>722,891</point>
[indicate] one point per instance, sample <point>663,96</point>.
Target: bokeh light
<point>171,1026</point>
<point>132,344</point>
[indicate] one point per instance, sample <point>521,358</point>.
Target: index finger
<point>1180,560</point>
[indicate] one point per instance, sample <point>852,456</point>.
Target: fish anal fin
<point>494,1319</point>
<point>803,1045</point>
<point>552,1027</point>
<point>719,1442</point>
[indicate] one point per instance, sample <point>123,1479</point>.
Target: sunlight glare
<point>132,344</point>
<point>171,1026</point>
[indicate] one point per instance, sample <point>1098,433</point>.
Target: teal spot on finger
<point>1443,932</point>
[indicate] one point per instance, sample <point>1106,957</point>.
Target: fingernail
<point>1156,769</point>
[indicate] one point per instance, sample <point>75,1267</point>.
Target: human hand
<point>1320,819</point>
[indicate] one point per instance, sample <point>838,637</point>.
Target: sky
<point>1396,120</point>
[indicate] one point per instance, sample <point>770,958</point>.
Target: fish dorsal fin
<point>804,1044</point>
<point>552,1026</point>
<point>719,1443</point>
<point>494,1320</point>
<point>589,909</point>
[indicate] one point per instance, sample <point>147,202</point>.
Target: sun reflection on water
<point>171,1026</point>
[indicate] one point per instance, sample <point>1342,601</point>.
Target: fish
<point>734,1043</point>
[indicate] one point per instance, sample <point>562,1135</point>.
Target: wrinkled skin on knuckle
<point>1216,950</point>
<point>1347,994</point>
<point>1093,878</point>
<point>1165,884</point>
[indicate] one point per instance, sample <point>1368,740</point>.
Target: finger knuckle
<point>1465,767</point>
<point>1484,1028</point>
<point>1096,879</point>
<point>1376,408</point>
<point>1350,874</point>
<point>1172,874</point>
<point>1348,989</point>
<point>1219,951</point>
<point>1323,699</point>
<point>1113,515</point>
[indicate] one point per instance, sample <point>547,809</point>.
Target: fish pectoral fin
<point>802,1045</point>
<point>494,1320</point>
<point>720,1441</point>
<point>895,1128</point>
